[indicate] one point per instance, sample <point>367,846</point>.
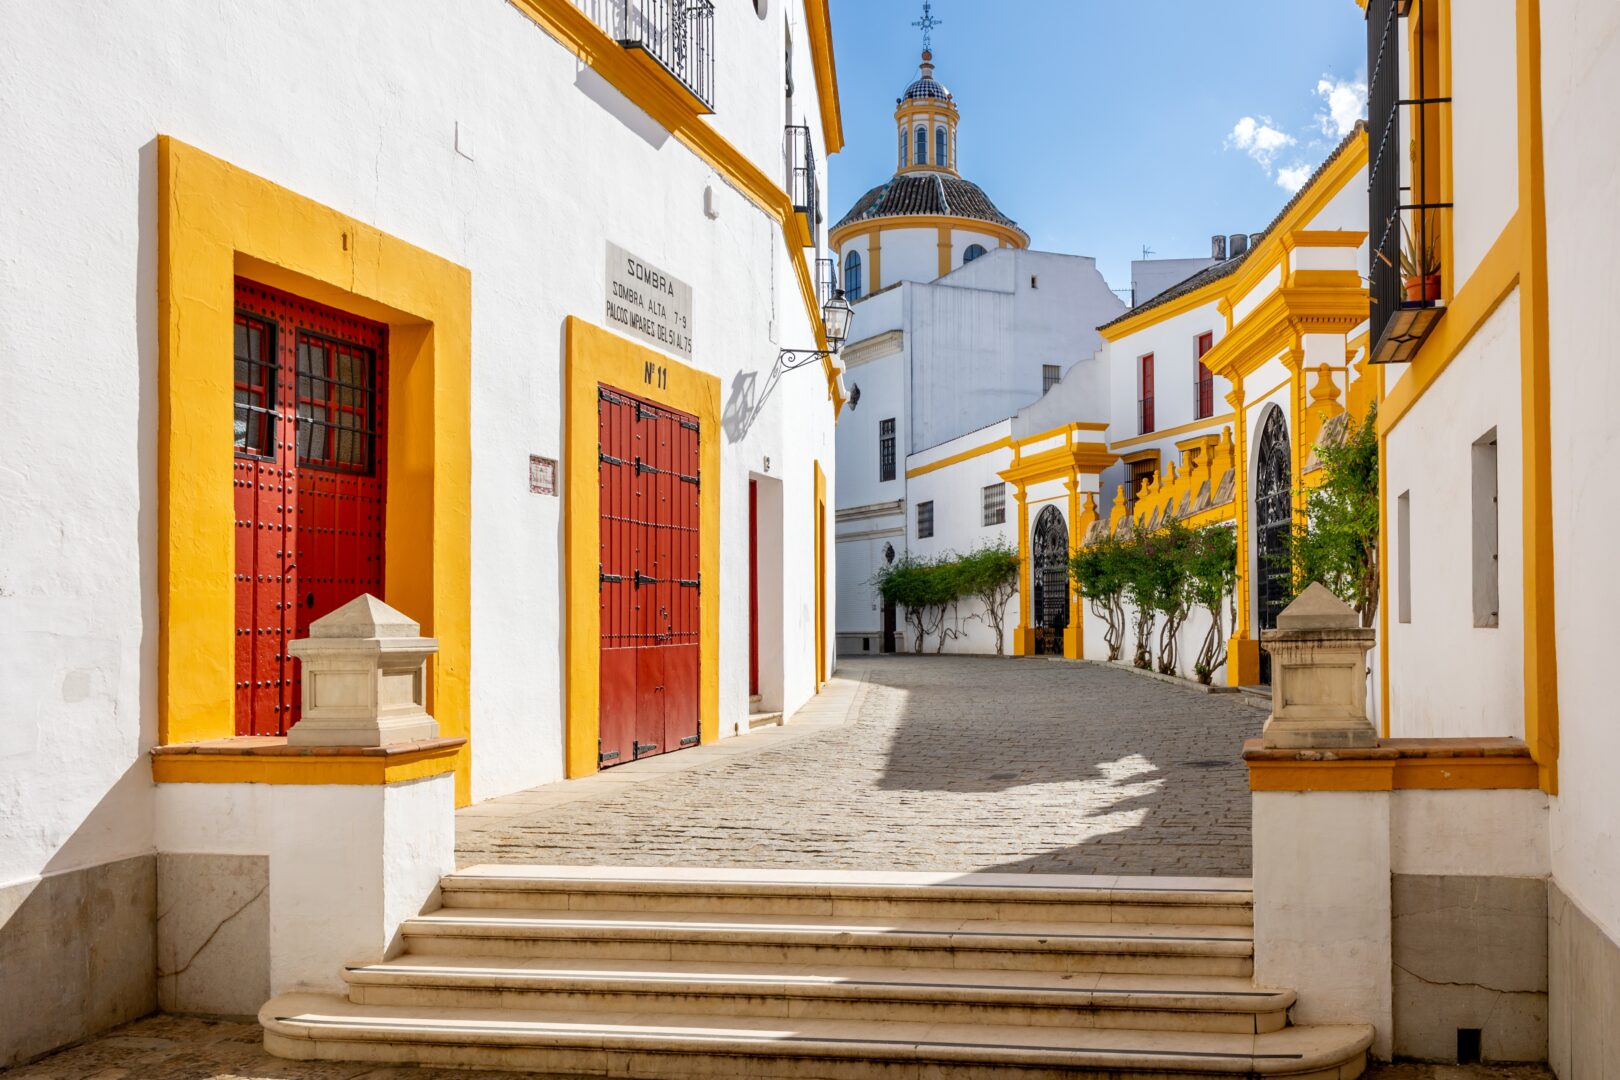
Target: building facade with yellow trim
<point>481,218</point>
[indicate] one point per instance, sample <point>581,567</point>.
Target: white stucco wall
<point>1174,345</point>
<point>1581,141</point>
<point>1448,677</point>
<point>1484,146</point>
<point>528,207</point>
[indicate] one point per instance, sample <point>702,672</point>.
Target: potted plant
<point>1420,266</point>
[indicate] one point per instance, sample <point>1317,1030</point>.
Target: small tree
<point>990,573</point>
<point>903,584</point>
<point>1139,586</point>
<point>947,581</point>
<point>1099,574</point>
<point>1337,544</point>
<point>1211,577</point>
<point>1164,585</point>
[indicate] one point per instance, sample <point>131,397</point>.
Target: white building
<point>488,266</point>
<point>957,327</point>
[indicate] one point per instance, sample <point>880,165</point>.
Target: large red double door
<point>648,485</point>
<point>308,481</point>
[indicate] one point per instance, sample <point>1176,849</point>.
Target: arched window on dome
<point>903,147</point>
<point>940,156</point>
<point>852,276</point>
<point>973,251</point>
<point>922,146</point>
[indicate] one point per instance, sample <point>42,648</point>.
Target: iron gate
<point>1274,517</point>
<point>1050,581</point>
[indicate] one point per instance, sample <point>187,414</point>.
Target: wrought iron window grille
<point>801,173</point>
<point>678,34</point>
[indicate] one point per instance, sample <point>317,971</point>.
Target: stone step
<point>764,719</point>
<point>851,994</point>
<point>1015,897</point>
<point>1140,948</point>
<point>328,1027</point>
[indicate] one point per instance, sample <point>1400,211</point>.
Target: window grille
<point>939,146</point>
<point>853,284</point>
<point>336,404</point>
<point>886,450</point>
<point>925,519</point>
<point>995,504</point>
<point>1051,375</point>
<point>922,146</point>
<point>678,34</point>
<point>1203,380</point>
<point>255,382</point>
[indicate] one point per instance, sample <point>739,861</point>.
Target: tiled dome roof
<point>926,193</point>
<point>926,87</point>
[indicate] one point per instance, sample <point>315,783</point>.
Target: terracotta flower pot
<point>1422,289</point>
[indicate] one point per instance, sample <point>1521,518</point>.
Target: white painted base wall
<point>348,863</point>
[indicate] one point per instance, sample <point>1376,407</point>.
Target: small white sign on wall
<point>542,475</point>
<point>649,303</point>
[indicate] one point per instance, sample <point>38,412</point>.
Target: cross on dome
<point>926,24</point>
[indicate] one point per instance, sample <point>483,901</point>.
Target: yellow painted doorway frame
<point>597,357</point>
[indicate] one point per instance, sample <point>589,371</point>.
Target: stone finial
<point>364,678</point>
<point>1318,675</point>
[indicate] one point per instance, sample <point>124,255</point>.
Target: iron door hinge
<point>611,755</point>
<point>691,740</point>
<point>643,747</point>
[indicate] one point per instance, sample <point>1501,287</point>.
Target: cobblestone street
<point>944,763</point>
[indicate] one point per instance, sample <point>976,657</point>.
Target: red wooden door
<point>649,588</point>
<point>753,588</point>
<point>310,485</point>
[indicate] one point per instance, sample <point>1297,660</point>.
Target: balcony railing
<point>1407,219</point>
<point>676,34</point>
<point>801,178</point>
<point>826,279</point>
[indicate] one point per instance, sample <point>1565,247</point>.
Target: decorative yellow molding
<point>1009,236</point>
<point>269,760</point>
<point>1165,433</point>
<point>818,22</point>
<point>1268,255</point>
<point>1395,765</point>
<point>956,459</point>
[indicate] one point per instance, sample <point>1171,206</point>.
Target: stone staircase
<point>572,971</point>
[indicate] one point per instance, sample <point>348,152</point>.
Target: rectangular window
<point>255,383</point>
<point>1203,379</point>
<point>1050,375</point>
<point>1141,473</point>
<point>925,519</point>
<point>886,450</point>
<point>1144,394</point>
<point>995,504</point>
<point>1403,556</point>
<point>335,404</point>
<point>1487,594</point>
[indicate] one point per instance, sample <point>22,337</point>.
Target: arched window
<point>973,252</point>
<point>903,148</point>
<point>940,157</point>
<point>852,276</point>
<point>922,146</point>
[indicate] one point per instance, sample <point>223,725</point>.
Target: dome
<point>932,194</point>
<point>926,88</point>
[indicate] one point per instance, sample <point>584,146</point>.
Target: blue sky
<point>1101,126</point>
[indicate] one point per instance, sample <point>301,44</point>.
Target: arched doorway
<point>1274,516</point>
<point>1049,582</point>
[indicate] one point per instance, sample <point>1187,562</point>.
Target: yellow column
<point>874,251</point>
<point>944,250</point>
<point>1242,650</point>
<point>1074,633</point>
<point>1294,361</point>
<point>1023,634</point>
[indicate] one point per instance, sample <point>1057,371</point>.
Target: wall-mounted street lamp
<point>835,316</point>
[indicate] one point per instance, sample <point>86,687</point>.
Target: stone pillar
<point>364,679</point>
<point>1318,675</point>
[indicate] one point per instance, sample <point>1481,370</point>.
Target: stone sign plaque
<point>648,303</point>
<point>542,475</point>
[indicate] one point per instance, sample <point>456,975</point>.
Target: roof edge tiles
<point>1225,269</point>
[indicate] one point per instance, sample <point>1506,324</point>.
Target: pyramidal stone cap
<point>1314,609</point>
<point>365,617</point>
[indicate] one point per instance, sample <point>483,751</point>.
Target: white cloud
<point>1292,177</point>
<point>1257,138</point>
<point>1344,102</point>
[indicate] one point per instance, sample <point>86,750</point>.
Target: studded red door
<point>649,588</point>
<point>309,484</point>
